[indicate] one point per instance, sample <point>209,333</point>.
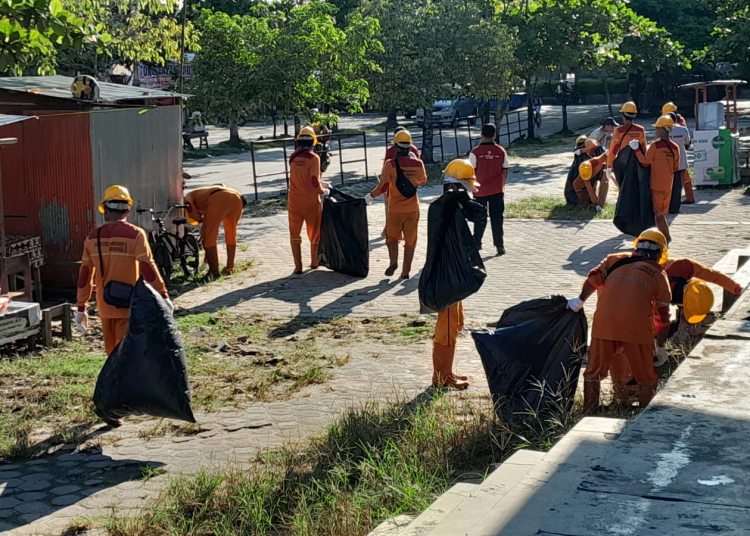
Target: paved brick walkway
<point>42,495</point>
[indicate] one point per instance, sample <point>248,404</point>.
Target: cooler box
<point>19,321</point>
<point>716,159</point>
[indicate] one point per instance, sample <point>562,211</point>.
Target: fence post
<point>507,129</point>
<point>455,137</point>
<point>468,129</point>
<point>255,179</point>
<point>286,167</point>
<point>442,151</point>
<point>364,143</point>
<point>341,162</point>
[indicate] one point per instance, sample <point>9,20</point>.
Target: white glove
<point>634,145</point>
<point>326,192</point>
<point>82,321</point>
<point>577,152</point>
<point>368,199</point>
<point>598,209</point>
<point>661,356</point>
<point>575,304</point>
<point>170,305</point>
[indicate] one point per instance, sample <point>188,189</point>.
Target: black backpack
<point>403,184</point>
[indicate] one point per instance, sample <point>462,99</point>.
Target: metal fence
<point>471,125</point>
<point>513,125</point>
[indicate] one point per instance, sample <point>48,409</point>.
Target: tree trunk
<point>609,97</point>
<point>296,124</point>
<point>274,127</point>
<point>392,120</point>
<point>565,129</point>
<point>486,111</point>
<point>234,134</point>
<point>286,124</point>
<point>530,119</point>
<point>427,136</point>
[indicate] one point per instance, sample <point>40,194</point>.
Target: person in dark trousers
<point>491,163</point>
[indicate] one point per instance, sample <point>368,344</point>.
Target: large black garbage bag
<point>344,242</point>
<point>454,269</point>
<point>147,373</point>
<point>537,342</point>
<point>570,194</point>
<point>634,212</point>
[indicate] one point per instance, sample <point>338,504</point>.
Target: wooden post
<point>697,100</point>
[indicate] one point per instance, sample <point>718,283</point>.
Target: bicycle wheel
<point>163,261</point>
<point>190,257</point>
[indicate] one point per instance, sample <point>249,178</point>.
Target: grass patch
<point>554,208</point>
<point>46,397</point>
<point>372,464</point>
<point>265,207</point>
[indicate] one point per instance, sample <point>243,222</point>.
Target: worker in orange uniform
<point>671,107</point>
<point>115,255</point>
<point>458,180</point>
<point>624,134</point>
<point>400,178</point>
<point>390,154</point>
<point>213,206</point>
<point>632,308</point>
<point>663,157</point>
<point>304,205</point>
<point>591,174</point>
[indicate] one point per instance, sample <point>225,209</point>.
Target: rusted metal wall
<point>142,150</point>
<point>16,191</point>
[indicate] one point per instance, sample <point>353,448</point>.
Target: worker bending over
<point>491,163</point>
<point>115,255</point>
<point>663,157</point>
<point>458,181</point>
<point>687,280</point>
<point>623,135</point>
<point>400,178</point>
<point>213,206</point>
<point>632,308</point>
<point>603,133</point>
<point>591,174</point>
<point>681,136</point>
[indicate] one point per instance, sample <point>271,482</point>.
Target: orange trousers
<point>113,329</point>
<point>622,360</point>
<point>450,322</point>
<point>310,217</point>
<point>404,224</point>
<point>223,207</point>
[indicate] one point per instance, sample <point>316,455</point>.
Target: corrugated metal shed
<point>59,87</point>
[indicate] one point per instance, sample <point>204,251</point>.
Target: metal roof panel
<point>59,87</point>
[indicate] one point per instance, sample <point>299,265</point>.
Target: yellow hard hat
<point>656,236</point>
<point>629,108</point>
<point>697,300</point>
<point>586,170</point>
<point>115,193</point>
<point>307,132</point>
<point>581,141</point>
<point>668,108</point>
<point>664,121</point>
<point>462,171</point>
<point>402,136</point>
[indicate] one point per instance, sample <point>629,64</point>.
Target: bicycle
<point>168,248</point>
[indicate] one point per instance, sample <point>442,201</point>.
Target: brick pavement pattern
<point>42,495</point>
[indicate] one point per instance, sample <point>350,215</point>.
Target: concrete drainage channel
<point>686,451</point>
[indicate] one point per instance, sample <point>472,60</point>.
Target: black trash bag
<point>675,202</point>
<point>344,242</point>
<point>454,269</point>
<point>571,198</point>
<point>146,374</point>
<point>634,212</point>
<point>539,340</point>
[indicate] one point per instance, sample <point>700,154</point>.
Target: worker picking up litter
<point>400,178</point>
<point>632,309</point>
<point>591,175</point>
<point>623,135</point>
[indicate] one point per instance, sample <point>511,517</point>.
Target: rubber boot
<point>297,254</point>
<point>688,184</point>
<point>231,253</point>
<point>442,368</point>
<point>313,256</point>
<point>212,258</point>
<point>591,391</point>
<point>393,258</point>
<point>646,393</point>
<point>408,258</point>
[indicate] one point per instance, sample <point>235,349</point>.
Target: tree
<point>228,71</point>
<point>31,34</point>
<point>733,35</point>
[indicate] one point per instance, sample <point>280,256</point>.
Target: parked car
<point>451,111</point>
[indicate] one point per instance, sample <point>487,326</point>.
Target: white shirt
<point>601,137</point>
<point>681,136</point>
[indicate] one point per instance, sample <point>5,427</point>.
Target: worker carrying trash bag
<point>632,308</point>
<point>458,181</point>
<point>115,255</point>
<point>584,150</point>
<point>591,176</point>
<point>663,157</point>
<point>390,154</point>
<point>400,178</point>
<point>304,205</point>
<point>624,134</point>
<point>214,206</point>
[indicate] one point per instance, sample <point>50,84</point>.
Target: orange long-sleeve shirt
<point>414,170</point>
<point>305,187</point>
<point>597,163</point>
<point>197,201</point>
<point>126,256</point>
<point>687,269</point>
<point>633,300</point>
<point>621,137</point>
<point>663,156</point>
